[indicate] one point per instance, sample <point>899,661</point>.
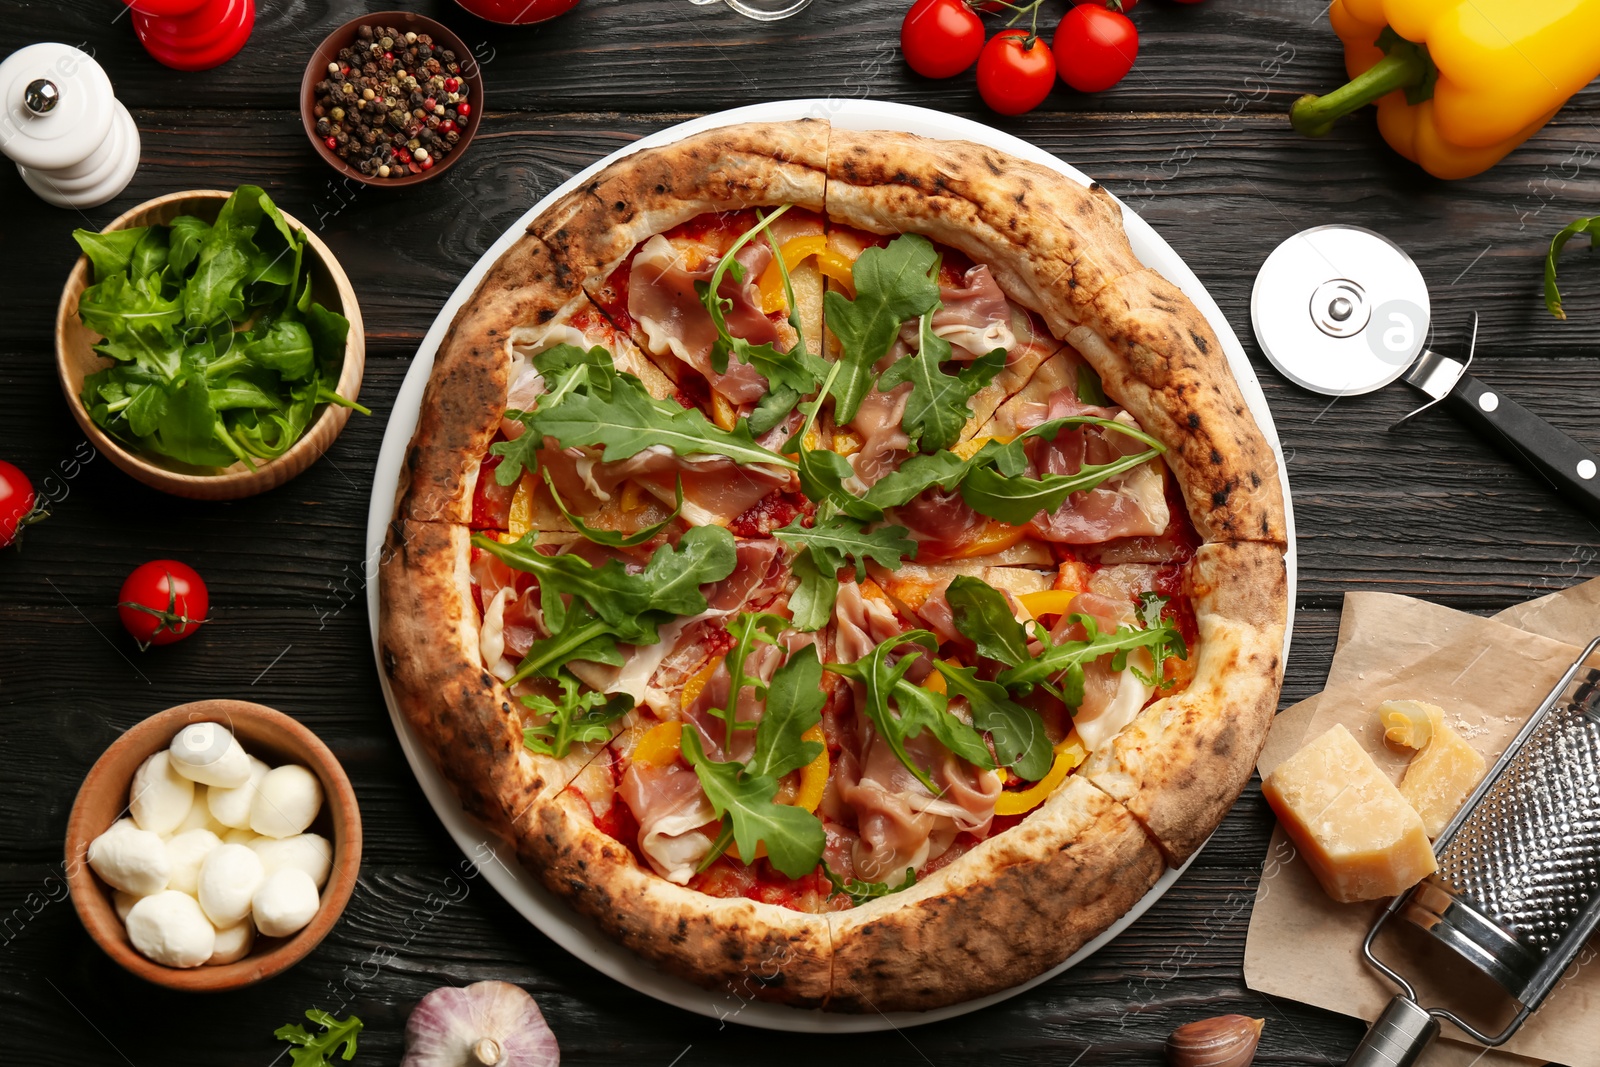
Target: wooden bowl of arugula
<point>209,344</point>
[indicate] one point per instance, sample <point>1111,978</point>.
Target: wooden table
<point>1195,139</point>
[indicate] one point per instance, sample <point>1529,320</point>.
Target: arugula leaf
<point>824,549</point>
<point>794,705</point>
<point>794,837</point>
<point>811,604</point>
<point>893,284</point>
<point>612,538</point>
<point>914,708</point>
<point>149,255</point>
<point>860,892</point>
<point>822,476</point>
<point>573,718</point>
<point>838,540</point>
<point>631,605</point>
<point>996,486</point>
<point>109,253</point>
<point>937,408</point>
<point>1058,669</point>
<point>630,420</point>
<point>747,631</point>
<point>984,617</point>
<point>565,368</point>
<point>1552,296</point>
<point>119,308</point>
<point>1016,732</point>
<point>1089,390</point>
<point>188,233</point>
<point>582,635</point>
<point>314,1050</point>
<point>790,375</point>
<point>917,474</point>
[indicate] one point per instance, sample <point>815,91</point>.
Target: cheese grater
<point>1517,892</point>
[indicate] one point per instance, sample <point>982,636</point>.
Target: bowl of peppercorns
<point>391,98</point>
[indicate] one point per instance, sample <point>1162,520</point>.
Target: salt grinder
<point>193,34</point>
<point>1517,892</point>
<point>61,123</point>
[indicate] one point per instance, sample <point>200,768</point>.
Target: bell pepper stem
<point>1314,116</point>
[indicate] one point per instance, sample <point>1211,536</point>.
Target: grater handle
<point>1397,1038</point>
<point>1571,468</point>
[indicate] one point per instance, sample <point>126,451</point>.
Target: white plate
<point>522,890</point>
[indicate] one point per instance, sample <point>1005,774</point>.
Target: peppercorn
<point>463,109</point>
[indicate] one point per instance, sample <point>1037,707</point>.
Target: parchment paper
<point>1488,675</point>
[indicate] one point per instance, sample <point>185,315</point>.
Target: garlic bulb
<point>1222,1041</point>
<point>487,1024</point>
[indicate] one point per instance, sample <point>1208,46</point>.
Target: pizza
<point>838,567</point>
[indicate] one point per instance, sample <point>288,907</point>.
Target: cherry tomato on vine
<point>16,502</point>
<point>1095,47</point>
<point>163,601</point>
<point>941,38</point>
<point>1015,72</point>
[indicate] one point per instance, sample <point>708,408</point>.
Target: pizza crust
<point>760,164</point>
<point>1013,907</point>
<point>466,393</point>
<point>428,646</point>
<point>742,949</point>
<point>1182,763</point>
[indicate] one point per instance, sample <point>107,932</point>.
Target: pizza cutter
<point>1343,311</point>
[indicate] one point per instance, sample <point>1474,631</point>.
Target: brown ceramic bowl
<point>76,360</point>
<point>404,21</point>
<point>103,798</point>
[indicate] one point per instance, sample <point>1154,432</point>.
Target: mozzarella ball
<point>206,752</point>
<point>284,903</point>
<point>132,860</point>
<point>286,801</point>
<point>229,877</point>
<point>231,807</point>
<point>200,817</point>
<point>123,903</point>
<point>170,928</point>
<point>233,942</point>
<point>240,836</point>
<point>186,851</point>
<point>311,853</point>
<point>160,797</point>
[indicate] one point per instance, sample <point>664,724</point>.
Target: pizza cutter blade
<point>1343,311</point>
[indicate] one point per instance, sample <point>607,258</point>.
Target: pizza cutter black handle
<point>1570,467</point>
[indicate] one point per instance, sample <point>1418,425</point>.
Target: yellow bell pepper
<point>1048,602</point>
<point>660,745</point>
<point>1458,83</point>
<point>814,775</point>
<point>521,515</point>
<point>695,684</point>
<point>797,250</point>
<point>1070,753</point>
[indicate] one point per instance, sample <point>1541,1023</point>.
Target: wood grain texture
<point>1195,140</point>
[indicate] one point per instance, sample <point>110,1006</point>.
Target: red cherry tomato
<point>16,502</point>
<point>1095,47</point>
<point>1123,6</point>
<point>163,601</point>
<point>518,12</point>
<point>941,38</point>
<point>1015,72</point>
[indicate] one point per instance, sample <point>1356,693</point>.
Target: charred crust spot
<point>492,332</point>
<point>1219,498</point>
<point>545,315</point>
<point>1199,342</point>
<point>622,205</point>
<point>1072,283</point>
<point>1216,457</point>
<point>486,680</point>
<point>661,187</point>
<point>1094,187</point>
<point>1265,526</point>
<point>994,167</point>
<point>1255,479</point>
<point>1194,420</point>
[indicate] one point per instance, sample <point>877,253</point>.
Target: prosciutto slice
<point>883,440</point>
<point>975,317</point>
<point>671,808</point>
<point>663,301</point>
<point>1131,504</point>
<point>1111,699</point>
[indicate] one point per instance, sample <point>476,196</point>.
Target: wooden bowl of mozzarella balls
<point>213,845</point>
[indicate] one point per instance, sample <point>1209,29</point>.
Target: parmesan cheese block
<point>1360,837</point>
<point>1439,778</point>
